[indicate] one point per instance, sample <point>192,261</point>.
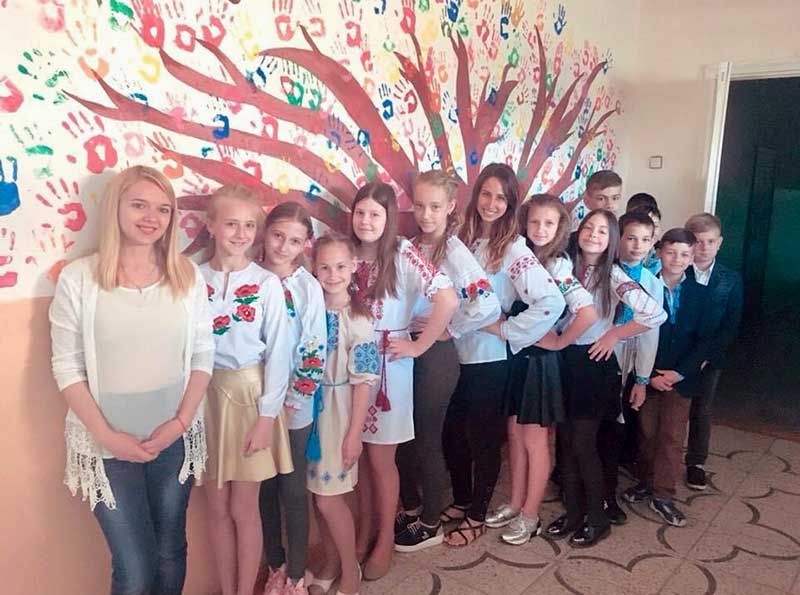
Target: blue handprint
<point>388,106</point>
<point>561,19</point>
<point>453,7</point>
<point>9,193</point>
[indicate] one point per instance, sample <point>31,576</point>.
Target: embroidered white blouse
<point>305,310</point>
<point>519,277</point>
<point>646,310</point>
<point>575,295</point>
<point>72,320</point>
<point>478,304</point>
<point>250,326</point>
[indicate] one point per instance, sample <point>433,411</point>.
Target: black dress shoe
<point>588,535</point>
<point>561,527</point>
<point>614,514</point>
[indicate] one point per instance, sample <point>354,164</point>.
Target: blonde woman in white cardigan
<point>132,355</point>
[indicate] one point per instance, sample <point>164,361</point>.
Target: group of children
<point>389,364</point>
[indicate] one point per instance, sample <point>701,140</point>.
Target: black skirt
<point>591,389</point>
<point>534,392</point>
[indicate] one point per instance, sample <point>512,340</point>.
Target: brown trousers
<point>662,431</point>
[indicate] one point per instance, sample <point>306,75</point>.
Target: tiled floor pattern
<point>742,537</point>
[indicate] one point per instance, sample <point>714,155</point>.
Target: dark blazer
<point>684,345</point>
<point>723,311</point>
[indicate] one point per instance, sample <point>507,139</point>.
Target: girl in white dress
<point>391,274</point>
<point>247,437</point>
<point>351,368</point>
<point>288,233</point>
<point>421,461</point>
<point>475,420</point>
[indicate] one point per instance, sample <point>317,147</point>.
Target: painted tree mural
<point>305,100</point>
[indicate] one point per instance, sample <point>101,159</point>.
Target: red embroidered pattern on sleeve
<point>627,286</point>
<point>419,262</point>
<point>522,264</point>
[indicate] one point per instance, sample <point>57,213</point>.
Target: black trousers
<point>473,435</point>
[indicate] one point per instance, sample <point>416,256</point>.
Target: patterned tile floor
<point>742,537</point>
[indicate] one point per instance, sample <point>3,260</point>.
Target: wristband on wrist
<point>642,380</point>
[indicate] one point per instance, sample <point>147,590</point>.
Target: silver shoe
<point>521,530</point>
<point>501,517</point>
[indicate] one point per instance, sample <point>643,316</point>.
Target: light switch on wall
<point>655,162</point>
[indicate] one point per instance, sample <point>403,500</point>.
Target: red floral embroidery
<point>312,362</point>
<point>210,291</point>
<point>522,264</point>
<point>627,286</point>
<point>425,267</point>
<point>222,324</point>
<point>483,284</point>
<point>472,290</point>
<point>246,290</point>
<point>245,312</point>
<point>305,386</point>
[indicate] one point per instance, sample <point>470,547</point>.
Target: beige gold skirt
<point>231,410</point>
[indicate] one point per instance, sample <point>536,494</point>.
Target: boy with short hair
<point>641,199</point>
<point>636,356</point>
<point>603,191</point>
<point>683,345</point>
<point>723,313</point>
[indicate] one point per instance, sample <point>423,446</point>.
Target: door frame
<point>727,72</point>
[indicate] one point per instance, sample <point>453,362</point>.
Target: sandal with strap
<point>468,531</point>
<point>453,513</point>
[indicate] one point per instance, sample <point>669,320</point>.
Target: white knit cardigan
<point>72,316</point>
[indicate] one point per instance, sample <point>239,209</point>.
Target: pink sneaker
<point>276,583</point>
<point>298,588</point>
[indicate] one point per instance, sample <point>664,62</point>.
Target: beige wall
<point>671,109</point>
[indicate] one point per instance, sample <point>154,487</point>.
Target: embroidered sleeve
<point>364,362</point>
<point>646,310</point>
<point>479,305</point>
<point>569,285</point>
<point>420,273</point>
<point>536,288</point>
<point>311,351</point>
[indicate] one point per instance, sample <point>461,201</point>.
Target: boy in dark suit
<point>723,313</point>
<point>683,345</point>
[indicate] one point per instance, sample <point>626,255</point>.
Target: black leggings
<point>421,461</point>
<point>582,472</point>
<point>473,435</point>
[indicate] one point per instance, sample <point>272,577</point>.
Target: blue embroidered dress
<point>352,358</point>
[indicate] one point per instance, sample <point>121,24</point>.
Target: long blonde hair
<point>178,270</point>
<point>440,179</point>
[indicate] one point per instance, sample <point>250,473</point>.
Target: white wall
<point>680,45</point>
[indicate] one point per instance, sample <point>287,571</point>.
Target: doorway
<point>758,201</point>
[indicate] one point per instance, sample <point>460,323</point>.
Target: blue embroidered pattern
<point>366,358</point>
<point>332,320</point>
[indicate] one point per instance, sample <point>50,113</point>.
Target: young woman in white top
<point>247,436</point>
<point>132,355</point>
<point>392,273</point>
<point>287,234</point>
<point>475,420</point>
<point>534,392</point>
<point>421,461</point>
<point>591,375</point>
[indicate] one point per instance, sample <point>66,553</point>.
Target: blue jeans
<point>146,533</point>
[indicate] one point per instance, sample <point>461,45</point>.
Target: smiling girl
<point>392,273</point>
<point>247,436</point>
<point>288,233</point>
<point>421,461</point>
<point>473,432</point>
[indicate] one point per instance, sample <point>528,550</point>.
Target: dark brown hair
<point>641,199</point>
<point>600,283</point>
<point>383,194</point>
<point>330,238</point>
<point>559,242</point>
<point>440,179</point>
<point>600,180</point>
<point>678,235</point>
<point>504,231</point>
<point>636,217</point>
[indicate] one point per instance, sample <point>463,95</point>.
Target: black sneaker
<point>638,493</point>
<point>588,535</point>
<point>667,510</point>
<point>614,514</point>
<point>403,520</point>
<point>418,537</point>
<point>696,478</point>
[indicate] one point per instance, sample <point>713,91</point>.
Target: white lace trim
<point>85,468</point>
